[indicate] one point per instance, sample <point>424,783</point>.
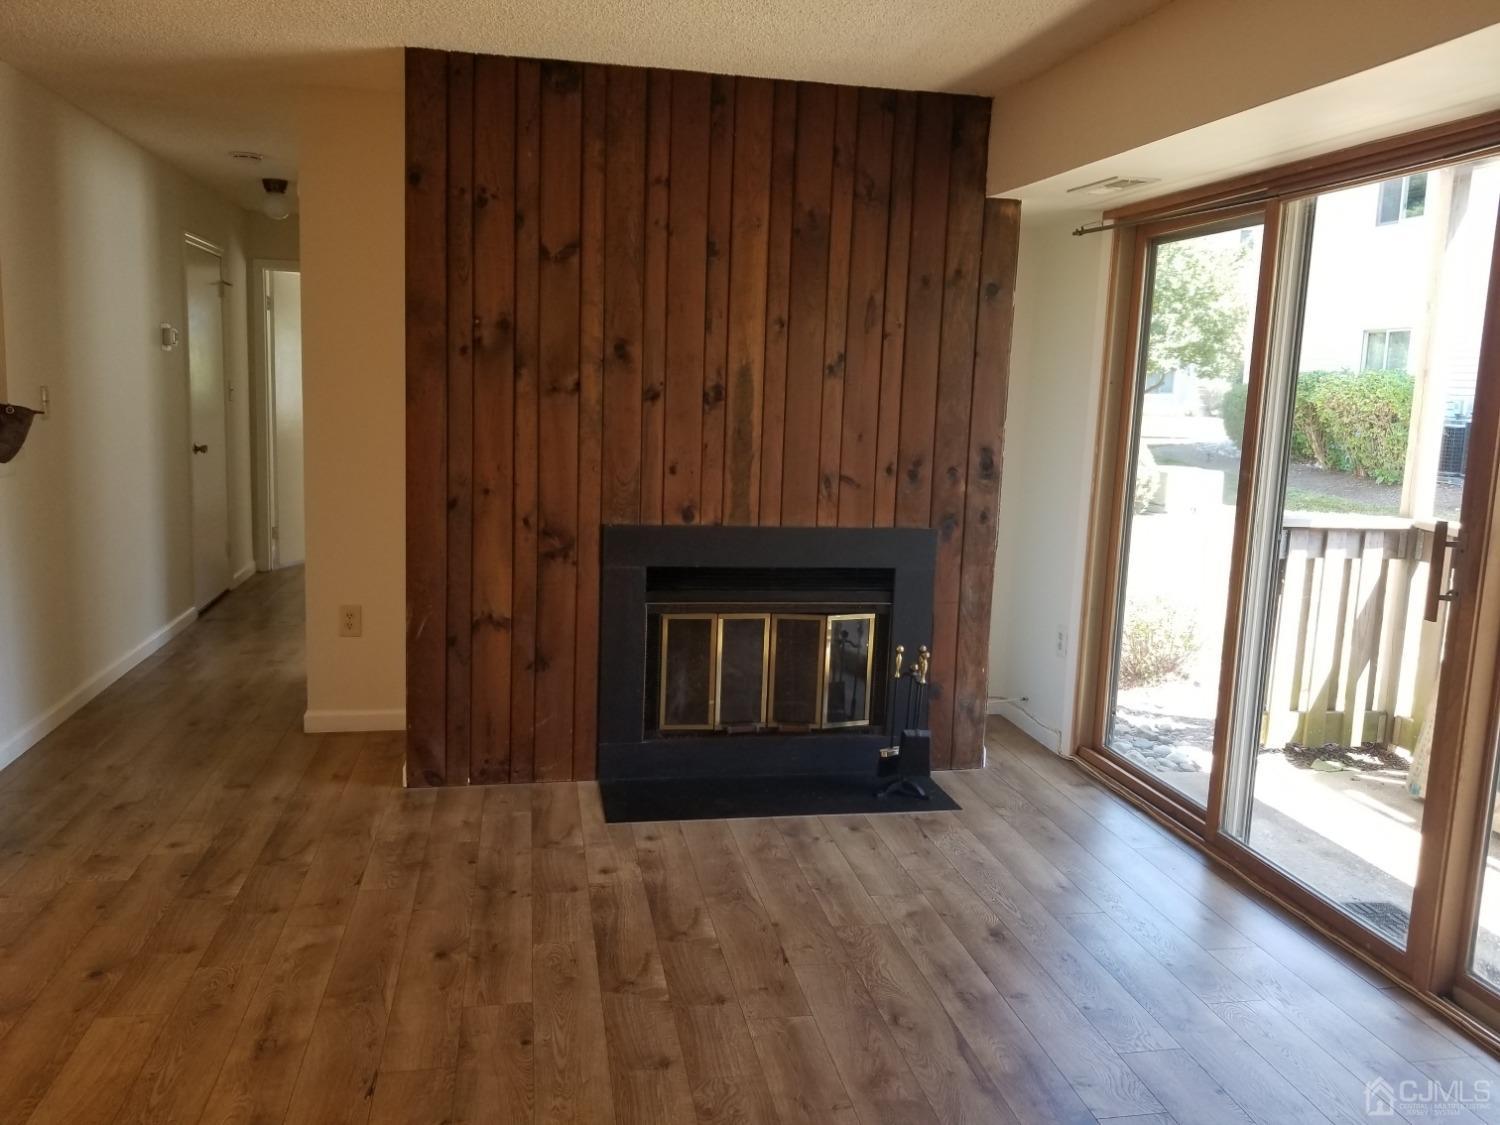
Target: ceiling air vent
<point>1112,185</point>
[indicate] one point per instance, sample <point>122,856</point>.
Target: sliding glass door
<point>1297,620</point>
<point>1364,463</point>
<point>1183,466</point>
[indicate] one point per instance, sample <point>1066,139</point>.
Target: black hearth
<point>755,651</point>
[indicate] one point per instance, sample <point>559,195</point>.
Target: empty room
<point>781,564</point>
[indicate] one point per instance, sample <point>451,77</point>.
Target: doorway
<point>1365,457</point>
<point>1291,647</point>
<point>203,267</point>
<point>279,287</point>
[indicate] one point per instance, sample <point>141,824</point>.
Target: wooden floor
<point>208,916</point>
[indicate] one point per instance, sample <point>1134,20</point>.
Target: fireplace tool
<point>911,758</point>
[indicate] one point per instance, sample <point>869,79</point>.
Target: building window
<point>1386,349</point>
<point>1405,198</point>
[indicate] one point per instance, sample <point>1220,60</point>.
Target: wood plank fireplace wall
<point>641,296</point>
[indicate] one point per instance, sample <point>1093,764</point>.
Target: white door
<point>285,291</point>
<point>205,349</point>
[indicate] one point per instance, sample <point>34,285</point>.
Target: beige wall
<point>95,514</point>
<point>1195,61</point>
<point>1056,366</point>
<point>354,398</point>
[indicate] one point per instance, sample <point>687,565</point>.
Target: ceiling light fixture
<point>275,205</point>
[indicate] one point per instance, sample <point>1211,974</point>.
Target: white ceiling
<point>191,80</point>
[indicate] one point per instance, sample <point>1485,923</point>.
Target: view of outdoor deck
<point>1374,435</point>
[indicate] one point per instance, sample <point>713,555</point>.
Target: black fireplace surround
<point>887,572</point>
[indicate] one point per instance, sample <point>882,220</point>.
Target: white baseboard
<point>54,717</point>
<point>1021,718</point>
<point>333,722</point>
<point>243,573</point>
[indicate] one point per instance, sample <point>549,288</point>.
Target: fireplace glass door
<point>797,663</point>
<point>687,671</point>
<point>740,671</point>
<point>744,655</point>
<point>851,655</point>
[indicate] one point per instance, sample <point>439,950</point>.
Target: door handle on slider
<point>1437,570</point>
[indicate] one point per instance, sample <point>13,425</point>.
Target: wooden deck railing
<point>1352,658</point>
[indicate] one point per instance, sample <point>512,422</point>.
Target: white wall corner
<point>60,712</point>
<point>241,575</point>
<point>335,722</point>
<point>1008,709</point>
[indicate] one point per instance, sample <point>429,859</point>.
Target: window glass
<point>1389,208</point>
<point>1416,195</point>
<point>1397,345</point>
<point>1328,774</point>
<point>1179,530</point>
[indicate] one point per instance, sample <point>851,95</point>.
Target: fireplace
<point>740,651</point>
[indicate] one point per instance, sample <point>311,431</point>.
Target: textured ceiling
<point>193,79</point>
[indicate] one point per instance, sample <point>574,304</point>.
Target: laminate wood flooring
<point>207,916</point>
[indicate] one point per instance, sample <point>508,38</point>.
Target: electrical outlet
<point>1062,642</point>
<point>351,621</point>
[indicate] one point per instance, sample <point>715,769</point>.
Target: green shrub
<point>1156,643</point>
<point>1355,422</point>
<point>1307,438</point>
<point>1234,412</point>
<point>1363,419</point>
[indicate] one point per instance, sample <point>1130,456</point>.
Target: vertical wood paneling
<point>494,418</point>
<point>653,393</point>
<point>716,312</point>
<point>997,287</point>
<point>426,414</point>
<point>590,426</point>
<point>808,303</point>
<point>893,347</point>
<point>778,297</point>
<point>687,262</point>
<point>867,269</point>
<point>840,226</point>
<point>460,411</point>
<point>524,476</point>
<point>924,309</point>
<point>558,494</point>
<point>954,404</point>
<point>625,235</point>
<point>637,296</point>
<point>745,362</point>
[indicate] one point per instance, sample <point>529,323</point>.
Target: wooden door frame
<point>1444,906</point>
<point>1460,783</point>
<point>1114,480</point>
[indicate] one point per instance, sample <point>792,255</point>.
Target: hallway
<point>206,915</point>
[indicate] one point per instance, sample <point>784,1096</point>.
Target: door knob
<point>200,448</point>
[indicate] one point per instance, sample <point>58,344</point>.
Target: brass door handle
<point>200,448</point>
